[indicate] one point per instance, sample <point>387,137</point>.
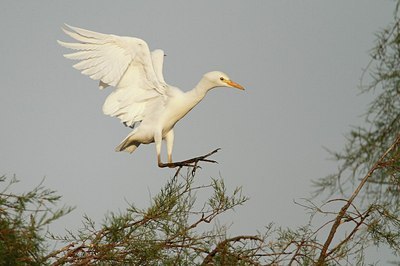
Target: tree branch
<point>323,255</point>
<point>221,245</point>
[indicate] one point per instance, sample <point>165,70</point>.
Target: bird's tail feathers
<point>127,145</point>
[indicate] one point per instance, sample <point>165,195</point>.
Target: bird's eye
<point>221,78</point>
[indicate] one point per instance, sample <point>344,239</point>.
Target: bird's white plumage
<point>157,57</point>
<point>122,62</point>
<point>141,94</point>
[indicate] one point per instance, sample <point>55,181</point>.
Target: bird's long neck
<point>197,94</point>
<point>189,100</point>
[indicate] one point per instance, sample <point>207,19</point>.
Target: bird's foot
<point>190,162</point>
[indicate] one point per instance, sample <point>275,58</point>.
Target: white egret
<point>141,99</point>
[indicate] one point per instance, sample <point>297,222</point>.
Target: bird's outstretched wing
<point>122,62</point>
<point>158,61</point>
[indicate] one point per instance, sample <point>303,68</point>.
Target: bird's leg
<point>169,139</point>
<point>160,164</point>
<point>158,141</point>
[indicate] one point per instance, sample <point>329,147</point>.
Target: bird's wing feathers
<point>158,60</point>
<point>122,62</point>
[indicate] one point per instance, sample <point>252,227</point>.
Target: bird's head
<point>220,79</point>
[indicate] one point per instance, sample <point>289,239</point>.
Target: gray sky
<point>300,62</point>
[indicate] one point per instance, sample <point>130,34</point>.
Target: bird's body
<point>164,119</point>
<point>142,99</point>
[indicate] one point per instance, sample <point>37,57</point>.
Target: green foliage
<point>166,233</point>
<point>372,152</point>
<point>365,144</point>
<point>23,220</point>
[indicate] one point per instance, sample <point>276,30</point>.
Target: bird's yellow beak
<point>234,85</point>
